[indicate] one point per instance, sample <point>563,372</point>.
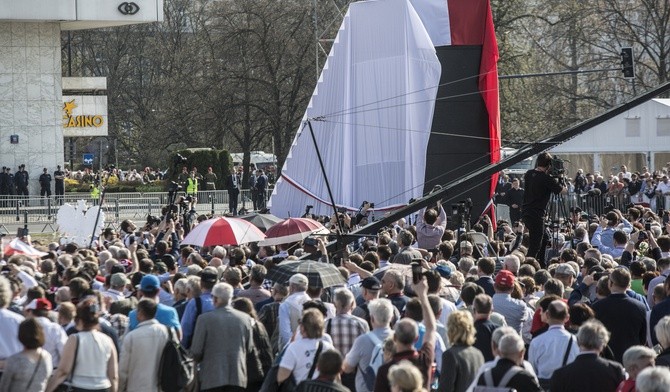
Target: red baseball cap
<point>505,278</point>
<point>39,304</point>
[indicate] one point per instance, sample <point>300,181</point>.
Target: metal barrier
<point>559,206</point>
<point>19,210</point>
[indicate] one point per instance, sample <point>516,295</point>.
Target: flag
<point>16,246</point>
<point>470,23</point>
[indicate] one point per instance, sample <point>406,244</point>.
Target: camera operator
<point>539,185</point>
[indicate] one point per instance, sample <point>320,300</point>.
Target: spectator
<point>256,293</point>
<point>430,226</point>
<point>10,321</point>
<point>405,377</point>
<point>94,367</point>
<point>393,284</point>
<point>261,340</point>
<point>508,371</point>
<point>635,360</point>
<point>406,334</point>
<point>329,366</point>
<point>54,335</point>
<point>142,349</point>
<point>512,309</point>
<point>556,347</point>
<point>29,369</point>
<point>345,328</point>
<point>299,357</point>
<point>653,379</point>
<point>624,317</point>
<point>484,327</point>
<point>485,269</point>
<point>199,305</point>
<point>269,314</point>
<point>460,362</point>
<point>589,372</point>
<point>359,357</point>
<point>662,333</point>
<point>166,315</point>
<point>221,342</point>
<point>290,310</point>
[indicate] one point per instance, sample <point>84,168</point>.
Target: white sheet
<point>376,93</point>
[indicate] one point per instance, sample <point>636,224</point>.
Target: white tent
<point>640,137</point>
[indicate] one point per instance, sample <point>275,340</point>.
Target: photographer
<point>539,185</point>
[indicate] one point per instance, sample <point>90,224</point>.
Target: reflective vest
<point>95,193</point>
<point>191,186</point>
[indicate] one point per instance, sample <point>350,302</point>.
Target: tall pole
<point>316,44</point>
<point>325,176</point>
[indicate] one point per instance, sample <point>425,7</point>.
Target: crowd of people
<point>420,309</point>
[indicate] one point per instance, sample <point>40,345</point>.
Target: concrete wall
<point>30,97</point>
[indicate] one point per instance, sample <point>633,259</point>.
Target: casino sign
<point>84,115</point>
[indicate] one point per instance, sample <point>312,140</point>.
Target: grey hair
<point>63,294</point>
<point>498,333</point>
<point>593,335</point>
<point>65,260</point>
<point>181,285</point>
<point>512,263</point>
<point>223,291</point>
<point>220,252</point>
<point>466,263</point>
<point>344,298</point>
<point>193,284</point>
<point>5,293</point>
<point>193,269</point>
<point>381,309</point>
<point>123,254</point>
<point>510,345</point>
<point>662,331</point>
<point>635,354</point>
<point>104,256</point>
<point>653,379</point>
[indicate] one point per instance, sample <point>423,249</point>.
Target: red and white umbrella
<point>16,246</point>
<point>223,231</point>
<point>292,230</point>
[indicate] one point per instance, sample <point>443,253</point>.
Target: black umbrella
<point>318,274</point>
<point>262,221</point>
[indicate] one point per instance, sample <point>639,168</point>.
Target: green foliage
<point>202,158</point>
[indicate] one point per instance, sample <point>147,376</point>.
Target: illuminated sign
<point>80,121</point>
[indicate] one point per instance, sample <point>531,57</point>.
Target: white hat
<point>299,279</point>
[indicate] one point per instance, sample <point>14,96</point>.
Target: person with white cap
<point>290,310</point>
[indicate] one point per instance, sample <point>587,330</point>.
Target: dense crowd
<point>419,309</point>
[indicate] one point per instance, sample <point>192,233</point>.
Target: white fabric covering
<point>376,94</point>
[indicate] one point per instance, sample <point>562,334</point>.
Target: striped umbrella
<point>292,230</point>
<point>223,231</point>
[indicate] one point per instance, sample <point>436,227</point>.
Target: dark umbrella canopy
<point>262,221</point>
<point>318,274</point>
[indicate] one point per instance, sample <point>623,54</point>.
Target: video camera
<point>557,168</point>
<point>460,212</point>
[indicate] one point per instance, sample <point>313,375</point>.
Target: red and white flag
<point>16,246</point>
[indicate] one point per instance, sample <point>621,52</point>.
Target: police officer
<point>45,183</point>
<point>21,180</point>
<point>59,184</point>
<point>192,185</point>
<point>95,194</point>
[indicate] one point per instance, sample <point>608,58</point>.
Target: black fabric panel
<point>459,110</point>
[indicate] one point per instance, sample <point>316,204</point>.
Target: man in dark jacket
<point>589,372</point>
<point>623,316</point>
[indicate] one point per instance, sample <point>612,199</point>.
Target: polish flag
<point>16,246</point>
<point>469,22</point>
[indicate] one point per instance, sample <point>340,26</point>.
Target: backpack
<point>502,385</point>
<point>376,361</point>
<point>176,369</point>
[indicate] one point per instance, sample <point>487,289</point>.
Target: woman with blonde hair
<point>405,377</point>
<point>462,361</point>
